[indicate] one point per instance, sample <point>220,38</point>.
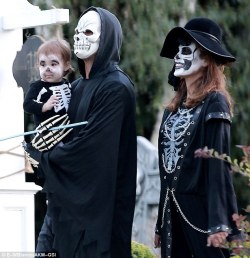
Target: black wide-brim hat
<point>204,32</point>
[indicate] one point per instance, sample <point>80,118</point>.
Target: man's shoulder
<point>119,77</point>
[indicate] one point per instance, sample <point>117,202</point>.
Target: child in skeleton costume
<point>50,95</point>
<point>197,199</point>
<point>91,179</point>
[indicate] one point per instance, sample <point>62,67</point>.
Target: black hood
<point>110,43</point>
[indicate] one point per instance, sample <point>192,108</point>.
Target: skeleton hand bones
<point>45,139</point>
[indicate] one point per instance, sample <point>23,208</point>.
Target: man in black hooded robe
<point>91,180</point>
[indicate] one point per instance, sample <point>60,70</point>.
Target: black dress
<point>197,196</point>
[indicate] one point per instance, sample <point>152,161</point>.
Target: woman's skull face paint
<point>87,35</point>
<point>188,60</point>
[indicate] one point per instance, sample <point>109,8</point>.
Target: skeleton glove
<point>48,136</point>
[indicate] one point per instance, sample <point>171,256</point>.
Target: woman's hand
<point>157,241</point>
<point>217,239</point>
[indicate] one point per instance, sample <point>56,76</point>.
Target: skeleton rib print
<point>175,128</point>
<point>63,93</point>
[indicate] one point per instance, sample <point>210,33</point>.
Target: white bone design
<point>63,93</point>
<point>42,91</point>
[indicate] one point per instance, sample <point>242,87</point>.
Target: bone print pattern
<point>63,93</point>
<point>42,91</point>
<point>175,127</point>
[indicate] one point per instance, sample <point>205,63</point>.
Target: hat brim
<point>170,46</point>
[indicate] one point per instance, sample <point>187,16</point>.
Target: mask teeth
<point>82,47</point>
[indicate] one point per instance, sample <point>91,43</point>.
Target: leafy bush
<point>141,251</point>
<point>239,248</point>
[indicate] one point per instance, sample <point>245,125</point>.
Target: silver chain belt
<point>179,209</point>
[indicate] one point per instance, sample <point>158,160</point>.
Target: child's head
<point>54,60</point>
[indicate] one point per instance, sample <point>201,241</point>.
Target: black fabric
<point>190,244</point>
<point>90,250</point>
<point>204,189</point>
<point>179,237</point>
<point>173,80</point>
<point>203,31</point>
<point>30,105</point>
<point>91,180</point>
<point>33,152</point>
<point>46,235</point>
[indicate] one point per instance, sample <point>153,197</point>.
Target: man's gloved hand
<point>46,139</point>
<point>32,154</point>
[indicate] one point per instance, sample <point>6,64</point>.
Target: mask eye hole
<point>186,51</point>
<point>88,32</point>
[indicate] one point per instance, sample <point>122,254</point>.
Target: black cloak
<point>91,179</point>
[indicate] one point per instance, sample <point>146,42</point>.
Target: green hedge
<point>141,251</point>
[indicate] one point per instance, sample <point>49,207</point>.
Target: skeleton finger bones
<point>45,139</point>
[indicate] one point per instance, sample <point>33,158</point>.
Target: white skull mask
<point>87,35</point>
<point>188,60</point>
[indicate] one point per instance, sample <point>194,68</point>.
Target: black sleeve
<point>161,198</point>
<point>30,105</point>
<point>159,218</point>
<point>221,195</point>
